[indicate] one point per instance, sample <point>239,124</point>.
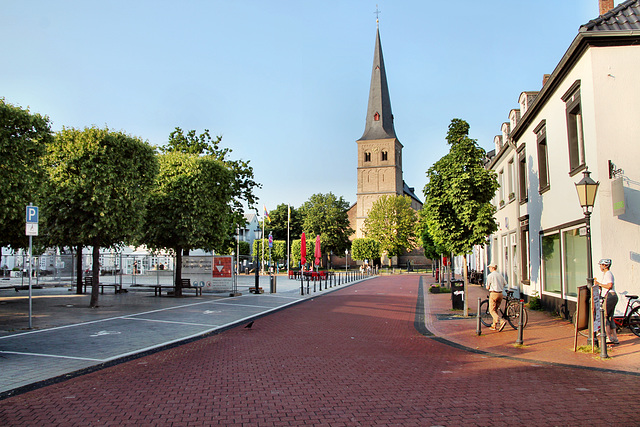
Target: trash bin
<point>457,294</point>
<point>272,284</point>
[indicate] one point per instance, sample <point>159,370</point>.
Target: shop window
<point>575,260</point>
<point>552,263</point>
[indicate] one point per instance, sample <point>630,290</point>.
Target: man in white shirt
<point>495,286</point>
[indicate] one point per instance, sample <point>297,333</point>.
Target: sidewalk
<point>547,339</point>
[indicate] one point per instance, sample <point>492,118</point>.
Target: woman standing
<point>610,299</point>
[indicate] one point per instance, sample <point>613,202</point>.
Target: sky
<point>285,83</point>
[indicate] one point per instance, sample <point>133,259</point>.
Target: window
<point>522,176</point>
<point>367,156</point>
<point>551,263</point>
<point>564,261</point>
<point>376,117</point>
<point>501,189</point>
<point>384,156</point>
<point>524,253</point>
<point>574,128</point>
<point>575,260</point>
<point>543,156</point>
<point>511,179</point>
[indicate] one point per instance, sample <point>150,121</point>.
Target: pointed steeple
<point>379,124</point>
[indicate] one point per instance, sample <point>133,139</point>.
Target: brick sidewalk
<point>546,338</point>
<point>349,358</point>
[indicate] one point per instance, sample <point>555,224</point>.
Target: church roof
<point>624,17</point>
<point>379,123</point>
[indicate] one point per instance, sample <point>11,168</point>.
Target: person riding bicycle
<point>495,286</point>
<point>610,299</point>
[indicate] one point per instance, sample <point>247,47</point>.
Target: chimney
<point>545,78</point>
<point>605,6</point>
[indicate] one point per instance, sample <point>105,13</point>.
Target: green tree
<point>366,248</point>
<point>279,220</point>
<point>295,252</point>
<point>326,215</point>
<point>23,140</point>
<point>459,212</point>
<point>199,197</point>
<point>278,251</point>
<point>189,206</point>
<point>392,222</point>
<point>96,190</point>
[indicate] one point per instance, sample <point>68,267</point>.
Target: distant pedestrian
<point>495,286</point>
<point>610,299</point>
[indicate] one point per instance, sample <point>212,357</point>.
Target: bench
<point>186,284</point>
<point>88,282</point>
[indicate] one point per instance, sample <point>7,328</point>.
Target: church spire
<point>379,124</point>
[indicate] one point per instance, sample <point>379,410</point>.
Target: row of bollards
<point>519,339</point>
<point>330,280</point>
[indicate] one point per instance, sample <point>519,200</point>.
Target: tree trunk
<point>79,271</point>
<point>95,275</point>
<point>178,267</point>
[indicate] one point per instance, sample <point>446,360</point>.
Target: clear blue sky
<point>284,82</point>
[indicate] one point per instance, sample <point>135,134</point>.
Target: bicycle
<point>511,312</point>
<point>631,317</point>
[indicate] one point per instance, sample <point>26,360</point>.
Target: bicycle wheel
<point>485,316</point>
<point>634,321</point>
<point>513,315</point>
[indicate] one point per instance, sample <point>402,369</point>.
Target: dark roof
<point>379,101</point>
<point>624,17</point>
<point>409,191</point>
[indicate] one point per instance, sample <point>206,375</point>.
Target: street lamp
<point>346,262</point>
<point>587,189</point>
<point>256,290</point>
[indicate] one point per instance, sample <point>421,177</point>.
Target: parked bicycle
<point>511,312</point>
<point>631,317</point>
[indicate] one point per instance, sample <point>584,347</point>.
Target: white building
<point>585,117</point>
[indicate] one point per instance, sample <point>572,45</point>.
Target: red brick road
<point>352,357</point>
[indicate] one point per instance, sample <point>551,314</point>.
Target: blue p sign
<point>32,214</point>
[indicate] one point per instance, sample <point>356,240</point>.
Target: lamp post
<point>587,189</point>
<point>346,262</point>
<point>256,290</point>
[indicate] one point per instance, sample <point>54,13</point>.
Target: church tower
<point>379,151</point>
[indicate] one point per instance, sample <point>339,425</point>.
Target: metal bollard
<point>301,283</point>
<point>603,334</point>
<point>478,322</point>
<point>520,340</point>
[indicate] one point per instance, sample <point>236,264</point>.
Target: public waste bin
<point>272,284</point>
<point>457,295</point>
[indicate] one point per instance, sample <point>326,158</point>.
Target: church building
<point>379,151</point>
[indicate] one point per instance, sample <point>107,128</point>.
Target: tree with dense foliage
<point>197,200</point>
<point>366,249</point>
<point>295,252</point>
<point>326,215</point>
<point>392,222</point>
<point>458,208</point>
<point>279,221</point>
<point>23,140</point>
<point>278,251</point>
<point>96,190</point>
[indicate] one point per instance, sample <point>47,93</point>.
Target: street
<point>352,357</point>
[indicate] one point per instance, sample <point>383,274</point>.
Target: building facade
<point>584,118</point>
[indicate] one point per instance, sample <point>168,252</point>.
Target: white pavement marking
<point>57,356</point>
<point>169,321</point>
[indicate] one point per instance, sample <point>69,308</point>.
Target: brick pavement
<point>352,357</point>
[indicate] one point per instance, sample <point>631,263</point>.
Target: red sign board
<point>222,266</point>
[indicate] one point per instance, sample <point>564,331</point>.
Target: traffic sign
<point>32,214</point>
<point>32,229</point>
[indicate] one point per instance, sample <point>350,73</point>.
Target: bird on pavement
<point>249,325</point>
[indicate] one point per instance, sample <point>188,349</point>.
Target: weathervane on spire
<point>377,12</point>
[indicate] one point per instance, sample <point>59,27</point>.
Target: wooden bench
<point>186,284</point>
<point>88,282</point>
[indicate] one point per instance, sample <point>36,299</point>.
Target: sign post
<point>32,230</point>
